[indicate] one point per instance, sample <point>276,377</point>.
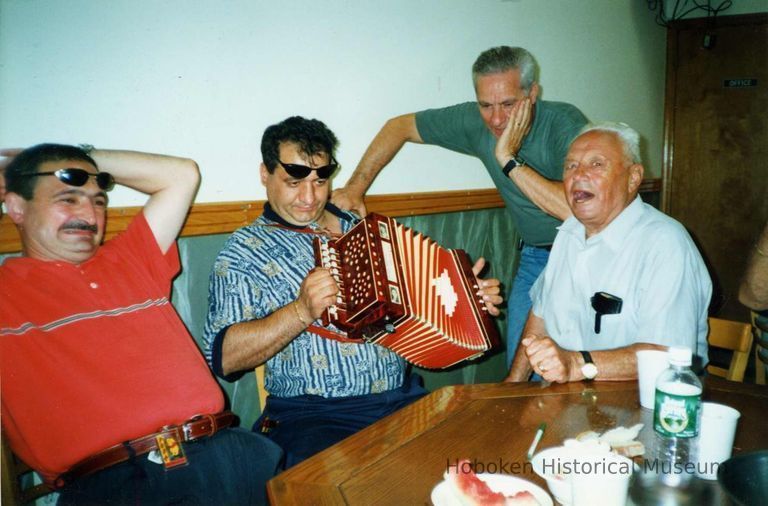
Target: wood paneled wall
<point>226,217</point>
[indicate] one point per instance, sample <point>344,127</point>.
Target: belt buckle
<point>187,431</point>
<point>187,426</point>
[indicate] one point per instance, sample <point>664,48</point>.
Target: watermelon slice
<point>472,491</point>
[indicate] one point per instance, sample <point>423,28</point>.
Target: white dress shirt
<point>644,257</point>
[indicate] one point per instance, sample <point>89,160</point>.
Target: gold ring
<point>541,367</point>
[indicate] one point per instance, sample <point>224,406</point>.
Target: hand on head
<point>517,127</point>
<point>7,155</point>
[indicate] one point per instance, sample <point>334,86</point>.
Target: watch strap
<point>512,164</point>
<point>587,357</point>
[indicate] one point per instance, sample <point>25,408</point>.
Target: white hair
<point>630,139</point>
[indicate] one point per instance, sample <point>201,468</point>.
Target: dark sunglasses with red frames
<point>78,177</point>
<point>302,171</point>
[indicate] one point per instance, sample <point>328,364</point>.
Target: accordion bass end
<point>403,291</point>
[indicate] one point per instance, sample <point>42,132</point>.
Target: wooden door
<point>716,142</point>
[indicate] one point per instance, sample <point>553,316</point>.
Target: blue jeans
<point>532,262</point>
<point>307,424</point>
<point>231,467</point>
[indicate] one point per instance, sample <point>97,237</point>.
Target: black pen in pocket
<point>604,303</point>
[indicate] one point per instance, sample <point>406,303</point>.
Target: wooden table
<point>399,459</point>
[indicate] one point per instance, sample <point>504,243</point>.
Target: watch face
<point>589,371</point>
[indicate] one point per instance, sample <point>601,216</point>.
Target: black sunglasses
<point>604,303</point>
<point>78,177</point>
<point>302,171</point>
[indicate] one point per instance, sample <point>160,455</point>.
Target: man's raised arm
<point>387,143</point>
<point>548,195</point>
<point>170,182</point>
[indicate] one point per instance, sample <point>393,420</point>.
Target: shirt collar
<point>614,234</point>
<point>271,215</point>
<point>617,231</point>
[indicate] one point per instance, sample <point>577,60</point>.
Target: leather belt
<point>521,243</point>
<point>197,427</point>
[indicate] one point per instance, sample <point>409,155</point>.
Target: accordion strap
<point>323,232</point>
<point>330,334</point>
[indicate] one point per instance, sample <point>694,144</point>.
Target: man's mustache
<point>79,225</point>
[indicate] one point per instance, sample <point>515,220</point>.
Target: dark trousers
<point>229,468</point>
<point>307,424</point>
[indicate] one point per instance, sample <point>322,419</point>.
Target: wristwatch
<point>589,369</point>
<point>513,163</point>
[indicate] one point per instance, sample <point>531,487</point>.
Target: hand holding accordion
<point>400,289</point>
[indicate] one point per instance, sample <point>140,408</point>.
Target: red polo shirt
<point>95,354</point>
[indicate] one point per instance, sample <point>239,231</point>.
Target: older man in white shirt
<point>622,276</point>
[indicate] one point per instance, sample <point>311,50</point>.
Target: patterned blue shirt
<point>259,271</point>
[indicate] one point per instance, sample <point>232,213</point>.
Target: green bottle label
<point>677,414</point>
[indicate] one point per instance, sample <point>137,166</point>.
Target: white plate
<point>442,495</point>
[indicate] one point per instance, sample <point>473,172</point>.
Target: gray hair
<point>630,139</point>
<point>503,58</point>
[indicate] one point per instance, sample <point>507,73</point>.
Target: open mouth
<point>580,196</point>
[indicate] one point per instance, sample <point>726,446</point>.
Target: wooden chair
<point>760,329</point>
<point>734,336</point>
<point>17,480</point>
<point>260,387</point>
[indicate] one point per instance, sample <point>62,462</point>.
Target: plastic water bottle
<point>676,419</point>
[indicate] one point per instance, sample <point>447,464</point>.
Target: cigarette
<point>536,439</point>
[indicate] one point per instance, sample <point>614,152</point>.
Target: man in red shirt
<point>104,392</point>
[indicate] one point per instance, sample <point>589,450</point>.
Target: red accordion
<point>401,290</point>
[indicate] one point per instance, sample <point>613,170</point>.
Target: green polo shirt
<point>460,128</point>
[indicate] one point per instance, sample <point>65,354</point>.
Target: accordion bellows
<point>402,290</point>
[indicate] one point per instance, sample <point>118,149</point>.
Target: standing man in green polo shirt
<point>522,141</point>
